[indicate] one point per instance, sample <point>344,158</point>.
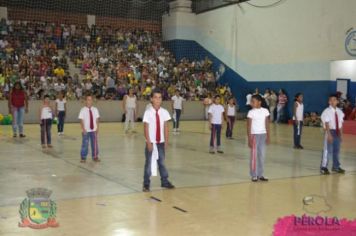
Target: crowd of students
<point>111,61</point>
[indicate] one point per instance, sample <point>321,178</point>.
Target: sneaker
<point>168,186</point>
<point>220,150</point>
<point>254,179</point>
<point>324,171</point>
<point>300,147</point>
<point>339,170</point>
<point>211,151</point>
<point>261,178</point>
<point>82,160</point>
<point>49,146</point>
<point>96,159</point>
<point>22,136</point>
<point>146,188</point>
<point>14,136</point>
<point>44,146</point>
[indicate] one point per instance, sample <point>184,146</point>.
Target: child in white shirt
<point>46,116</point>
<point>89,121</point>
<point>216,117</point>
<point>258,137</point>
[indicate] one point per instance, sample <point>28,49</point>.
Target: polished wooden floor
<point>214,195</point>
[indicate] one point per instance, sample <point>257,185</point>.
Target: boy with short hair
<point>155,121</point>
<point>332,118</point>
<point>258,137</point>
<point>216,117</point>
<point>89,122</point>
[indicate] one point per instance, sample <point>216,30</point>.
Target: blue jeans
<point>215,133</point>
<point>92,136</point>
<point>176,122</point>
<point>331,149</point>
<point>162,168</point>
<point>17,119</point>
<point>297,127</point>
<point>60,125</point>
<point>46,126</point>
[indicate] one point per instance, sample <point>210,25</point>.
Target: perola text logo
<point>38,211</point>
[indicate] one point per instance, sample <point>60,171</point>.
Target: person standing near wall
<point>46,116</point>
<point>272,100</point>
<point>61,107</point>
<point>282,102</point>
<point>230,112</point>
<point>130,108</point>
<point>298,117</point>
<point>177,108</point>
<point>207,103</point>
<point>18,105</point>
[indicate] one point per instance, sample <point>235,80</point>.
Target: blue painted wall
<point>315,92</point>
<point>194,51</point>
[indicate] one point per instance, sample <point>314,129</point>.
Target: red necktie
<point>91,124</point>
<point>158,128</point>
<point>337,124</point>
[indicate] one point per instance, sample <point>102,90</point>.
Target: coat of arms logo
<point>38,211</point>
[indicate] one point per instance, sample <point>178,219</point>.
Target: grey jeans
<point>257,159</point>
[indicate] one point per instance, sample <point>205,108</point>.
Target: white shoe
<point>59,133</point>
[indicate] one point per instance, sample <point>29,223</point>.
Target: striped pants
<point>257,159</point>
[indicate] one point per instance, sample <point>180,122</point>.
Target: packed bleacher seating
<point>106,62</point>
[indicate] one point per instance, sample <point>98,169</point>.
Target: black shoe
<point>261,178</point>
<point>300,147</point>
<point>254,179</point>
<point>14,136</point>
<point>339,170</point>
<point>146,188</point>
<point>168,186</point>
<point>22,136</point>
<point>324,171</point>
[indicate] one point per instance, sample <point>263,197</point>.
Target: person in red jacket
<point>18,104</point>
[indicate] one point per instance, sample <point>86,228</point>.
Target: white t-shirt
<point>60,104</point>
<point>231,110</point>
<point>258,117</point>
<point>85,116</point>
<point>299,113</point>
<point>130,102</point>
<point>150,118</point>
<point>248,99</point>
<point>216,112</point>
<point>328,116</point>
<point>46,113</point>
<point>177,102</point>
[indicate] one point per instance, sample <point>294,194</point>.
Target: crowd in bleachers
<point>109,61</point>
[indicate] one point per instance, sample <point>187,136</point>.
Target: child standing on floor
<point>89,121</point>
<point>155,122</point>
<point>61,107</point>
<point>177,108</point>
<point>332,118</point>
<point>130,108</point>
<point>216,117</point>
<point>298,118</point>
<point>230,111</point>
<point>258,137</point>
<point>46,116</point>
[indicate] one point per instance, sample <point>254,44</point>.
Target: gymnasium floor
<point>214,195</point>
